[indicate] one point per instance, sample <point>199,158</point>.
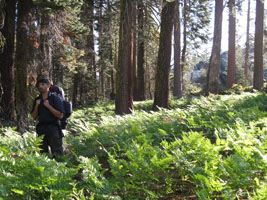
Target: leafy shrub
<point>211,147</point>
<point>25,174</point>
<point>264,89</point>
<point>194,90</point>
<point>223,90</point>
<point>249,89</point>
<point>237,89</point>
<point>191,149</point>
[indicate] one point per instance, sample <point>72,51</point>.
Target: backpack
<point>58,91</point>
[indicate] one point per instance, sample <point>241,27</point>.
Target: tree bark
<point>141,54</point>
<point>113,79</point>
<point>91,47</point>
<point>162,86</point>
<point>231,45</point>
<point>215,59</point>
<point>177,88</point>
<point>124,97</point>
<point>75,90</point>
<point>247,41</point>
<point>111,82</point>
<point>184,42</point>
<point>7,64</point>
<point>2,23</point>
<point>134,76</point>
<point>101,46</point>
<point>112,93</point>
<point>21,62</point>
<point>258,50</point>
<point>45,52</point>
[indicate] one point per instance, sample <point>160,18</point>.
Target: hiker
<point>48,109</point>
<point>58,91</point>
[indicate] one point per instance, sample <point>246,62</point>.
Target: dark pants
<point>55,143</point>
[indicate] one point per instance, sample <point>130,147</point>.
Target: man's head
<point>44,85</point>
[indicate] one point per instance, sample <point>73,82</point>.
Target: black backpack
<point>56,90</point>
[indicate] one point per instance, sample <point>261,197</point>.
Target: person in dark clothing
<point>48,109</point>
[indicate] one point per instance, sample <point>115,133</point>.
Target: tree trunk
<point>58,73</point>
<point>82,90</point>
<point>177,88</point>
<point>113,94</point>
<point>162,86</point>
<point>21,61</point>
<point>247,41</point>
<point>231,45</point>
<point>101,46</point>
<point>7,64</point>
<point>91,46</point>
<point>184,43</point>
<point>45,53</point>
<point>75,90</point>
<point>2,42</point>
<point>124,98</point>
<point>134,77</point>
<point>141,54</point>
<point>215,59</point>
<point>111,82</point>
<point>258,50</point>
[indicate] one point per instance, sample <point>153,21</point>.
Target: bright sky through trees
<point>241,24</point>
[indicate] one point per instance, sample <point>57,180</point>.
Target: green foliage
<point>193,90</point>
<point>49,6</point>
<point>27,175</point>
<point>237,89</point>
<point>212,147</point>
<point>249,89</point>
<point>264,89</point>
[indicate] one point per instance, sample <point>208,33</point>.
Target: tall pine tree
<point>215,59</point>
<point>231,45</point>
<point>124,97</point>
<point>162,87</point>
<point>21,88</point>
<point>7,63</point>
<point>258,49</point>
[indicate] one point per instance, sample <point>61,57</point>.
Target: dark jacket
<point>48,123</point>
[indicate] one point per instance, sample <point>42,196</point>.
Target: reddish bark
<point>162,86</point>
<point>258,49</point>
<point>124,97</point>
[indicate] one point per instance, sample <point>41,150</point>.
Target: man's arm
<point>34,113</point>
<point>55,112</point>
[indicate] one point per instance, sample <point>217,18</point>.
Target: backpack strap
<point>53,98</point>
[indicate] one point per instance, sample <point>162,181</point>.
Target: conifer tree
<point>215,59</point>
<point>258,49</point>
<point>7,63</point>
<point>162,86</point>
<point>124,97</point>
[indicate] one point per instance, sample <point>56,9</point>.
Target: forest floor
<point>202,148</point>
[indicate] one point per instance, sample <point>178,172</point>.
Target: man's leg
<point>55,143</point>
<point>44,145</point>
